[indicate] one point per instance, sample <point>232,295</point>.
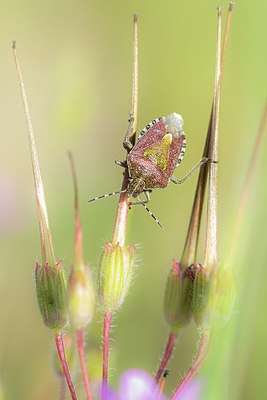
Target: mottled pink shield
<point>159,150</point>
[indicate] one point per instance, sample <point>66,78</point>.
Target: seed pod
<point>225,294</point>
<point>51,291</point>
<point>115,273</point>
<point>80,296</point>
<point>201,293</point>
<point>178,297</point>
<point>213,296</point>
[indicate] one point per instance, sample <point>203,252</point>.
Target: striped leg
<point>106,195</point>
<point>146,193</point>
<point>152,215</point>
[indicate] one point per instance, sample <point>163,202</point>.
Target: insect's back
<point>158,151</point>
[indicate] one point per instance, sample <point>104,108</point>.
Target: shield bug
<point>159,150</point>
<point>152,160</point>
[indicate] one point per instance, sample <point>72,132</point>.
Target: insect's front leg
<point>147,194</point>
<point>122,163</point>
<point>127,143</point>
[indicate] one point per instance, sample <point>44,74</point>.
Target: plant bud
<point>115,274</point>
<point>80,296</point>
<point>178,297</point>
<point>51,291</point>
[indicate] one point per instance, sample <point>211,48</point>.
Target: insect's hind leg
<point>199,164</point>
<point>147,194</point>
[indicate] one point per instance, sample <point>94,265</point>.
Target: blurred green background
<point>76,59</point>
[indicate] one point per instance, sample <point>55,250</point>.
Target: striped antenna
<point>106,195</point>
<point>152,215</point>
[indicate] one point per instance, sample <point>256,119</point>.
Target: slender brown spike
<point>106,195</point>
<point>190,248</point>
<point>225,40</point>
<point>38,183</point>
<point>135,77</point>
<point>119,231</point>
<point>210,255</point>
<point>191,243</point>
<point>74,179</point>
<point>78,236</point>
<point>193,231</point>
<point>130,134</point>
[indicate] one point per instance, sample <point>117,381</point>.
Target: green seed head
<point>115,274</point>
<point>178,297</point>
<point>201,293</point>
<point>51,291</point>
<point>225,295</point>
<point>80,296</point>
<point>213,296</point>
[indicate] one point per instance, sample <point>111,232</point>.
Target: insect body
<point>159,150</point>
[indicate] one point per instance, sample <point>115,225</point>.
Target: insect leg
<point>146,193</point>
<point>201,162</point>
<point>122,163</point>
<point>152,215</point>
<point>127,144</point>
<point>106,195</point>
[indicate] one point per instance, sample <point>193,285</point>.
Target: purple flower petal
<point>112,395</point>
<point>137,384</point>
<point>193,390</point>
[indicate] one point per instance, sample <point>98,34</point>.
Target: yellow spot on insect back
<point>158,154</point>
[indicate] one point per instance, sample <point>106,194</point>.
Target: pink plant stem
<point>107,322</point>
<point>61,353</point>
<point>119,231</point>
<point>193,370</point>
<point>167,354</point>
<point>83,363</point>
<point>62,394</point>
